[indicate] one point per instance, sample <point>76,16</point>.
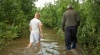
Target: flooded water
<point>51,44</point>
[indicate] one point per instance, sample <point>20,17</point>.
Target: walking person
<point>35,30</point>
<point>70,23</point>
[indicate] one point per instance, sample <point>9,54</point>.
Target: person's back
<point>34,23</point>
<point>71,18</point>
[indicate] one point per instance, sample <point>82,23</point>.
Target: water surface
<point>51,44</point>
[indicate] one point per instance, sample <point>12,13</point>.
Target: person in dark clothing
<point>70,23</point>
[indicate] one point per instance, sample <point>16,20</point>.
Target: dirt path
<point>51,44</point>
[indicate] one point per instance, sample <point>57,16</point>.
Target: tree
<point>14,18</point>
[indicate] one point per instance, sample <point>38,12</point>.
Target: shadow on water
<point>51,44</point>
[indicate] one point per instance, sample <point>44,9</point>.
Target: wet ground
<point>51,44</point>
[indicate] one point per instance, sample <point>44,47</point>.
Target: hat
<point>69,6</point>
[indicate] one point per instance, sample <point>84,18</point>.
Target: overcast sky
<point>40,3</point>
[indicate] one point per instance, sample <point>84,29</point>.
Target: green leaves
<point>88,32</point>
<point>14,18</point>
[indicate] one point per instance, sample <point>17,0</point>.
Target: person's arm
<point>63,23</point>
<point>40,29</point>
<point>78,19</point>
<point>30,28</point>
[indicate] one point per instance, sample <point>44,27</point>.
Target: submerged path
<point>51,44</point>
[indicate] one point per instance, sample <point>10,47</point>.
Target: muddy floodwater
<point>51,44</point>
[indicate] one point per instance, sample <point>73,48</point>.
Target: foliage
<point>15,14</point>
<point>88,31</point>
<point>14,19</point>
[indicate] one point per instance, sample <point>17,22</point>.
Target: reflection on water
<point>51,44</point>
<point>46,48</point>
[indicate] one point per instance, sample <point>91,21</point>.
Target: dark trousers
<point>70,37</point>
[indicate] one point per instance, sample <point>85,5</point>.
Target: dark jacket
<point>70,18</point>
